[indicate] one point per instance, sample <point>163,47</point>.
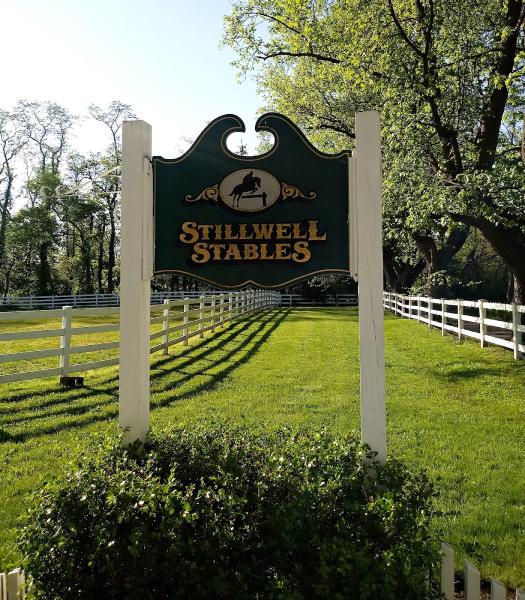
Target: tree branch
<point>318,57</point>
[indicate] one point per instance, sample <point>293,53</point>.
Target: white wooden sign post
<point>136,270</point>
<point>366,265</point>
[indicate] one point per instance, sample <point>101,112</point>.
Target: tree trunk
<point>45,287</point>
<point>4,215</point>
<point>399,276</point>
<point>100,258</point>
<point>86,284</point>
<point>7,278</point>
<point>438,259</point>
<point>509,244</point>
<point>111,251</point>
<point>518,289</point>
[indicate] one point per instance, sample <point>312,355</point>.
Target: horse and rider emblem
<point>250,184</point>
<point>250,190</point>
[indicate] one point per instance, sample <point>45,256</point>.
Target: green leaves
<point>448,78</point>
<point>213,512</point>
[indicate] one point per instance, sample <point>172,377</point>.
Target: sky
<point>160,56</point>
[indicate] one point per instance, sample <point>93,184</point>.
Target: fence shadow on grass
<point>173,378</point>
<point>323,313</point>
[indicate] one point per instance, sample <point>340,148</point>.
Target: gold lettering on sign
<point>302,253</point>
<point>282,231</point>
<point>313,232</point>
<point>200,253</point>
<point>190,233</point>
<point>232,252</point>
<point>243,235</point>
<point>263,231</point>
<point>226,242</point>
<point>264,253</point>
<point>251,251</point>
<point>228,234</point>
<point>297,235</point>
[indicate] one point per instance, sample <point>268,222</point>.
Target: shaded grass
<point>453,408</point>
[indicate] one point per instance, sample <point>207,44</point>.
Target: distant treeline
<point>60,220</point>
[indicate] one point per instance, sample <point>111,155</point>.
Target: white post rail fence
<point>489,322</point>
<point>108,300</point>
<point>180,320</point>
<point>13,585</point>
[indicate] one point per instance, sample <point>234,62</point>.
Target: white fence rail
<point>106,300</point>
<point>185,318</point>
<point>13,584</point>
<point>489,322</point>
<point>89,300</point>
<point>329,300</point>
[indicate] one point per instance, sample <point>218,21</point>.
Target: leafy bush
<point>212,512</point>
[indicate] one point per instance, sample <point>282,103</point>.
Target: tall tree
<point>447,75</point>
<point>109,186</point>
<point>47,126</point>
<point>11,144</point>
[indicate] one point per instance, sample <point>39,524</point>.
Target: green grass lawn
<point>453,408</point>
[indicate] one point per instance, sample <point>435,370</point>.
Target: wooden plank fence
<point>90,300</point>
<point>185,318</point>
<point>328,300</point>
<point>465,318</point>
<point>13,585</point>
<point>107,300</point>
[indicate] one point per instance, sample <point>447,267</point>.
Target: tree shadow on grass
<point>454,374</point>
<point>52,395</point>
<point>214,357</point>
<point>322,313</point>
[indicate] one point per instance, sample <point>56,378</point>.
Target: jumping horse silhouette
<point>249,185</point>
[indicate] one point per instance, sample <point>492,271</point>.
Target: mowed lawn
<point>453,408</point>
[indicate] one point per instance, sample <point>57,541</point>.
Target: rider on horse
<point>249,181</point>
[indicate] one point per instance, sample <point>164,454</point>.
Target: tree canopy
<point>447,76</point>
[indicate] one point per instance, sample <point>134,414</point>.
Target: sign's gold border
<point>250,281</point>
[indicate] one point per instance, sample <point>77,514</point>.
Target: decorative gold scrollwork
<point>287,191</point>
<point>292,191</point>
<point>210,193</point>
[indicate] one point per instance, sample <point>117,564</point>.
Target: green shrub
<point>217,513</point>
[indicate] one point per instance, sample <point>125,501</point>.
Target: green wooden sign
<point>266,220</point>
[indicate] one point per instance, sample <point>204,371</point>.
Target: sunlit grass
<point>453,408</point>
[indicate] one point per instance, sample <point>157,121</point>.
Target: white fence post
<point>65,341</point>
<point>515,331</point>
<point>443,318</point>
<point>419,309</point>
<point>136,270</point>
<point>460,319</point>
<point>201,317</point>
<point>221,310</point>
<point>367,188</point>
<point>230,306</point>
<point>497,590</point>
<point>212,312</point>
<point>16,585</point>
<point>447,571</point>
<point>185,320</point>
<point>472,581</point>
<point>430,302</point>
<point>166,326</point>
<point>482,326</point>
